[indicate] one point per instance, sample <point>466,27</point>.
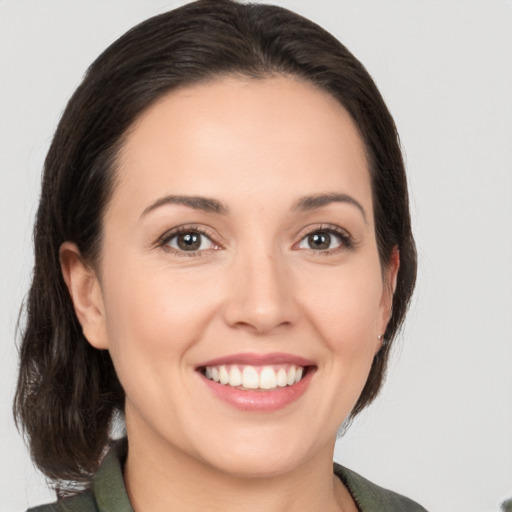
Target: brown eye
<point>190,241</point>
<point>319,241</point>
<point>324,240</point>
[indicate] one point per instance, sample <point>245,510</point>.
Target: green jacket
<point>108,493</point>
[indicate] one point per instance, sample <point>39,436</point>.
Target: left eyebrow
<point>313,202</point>
<point>205,204</point>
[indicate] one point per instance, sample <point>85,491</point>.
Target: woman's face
<point>239,246</point>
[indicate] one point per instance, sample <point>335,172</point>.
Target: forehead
<point>260,136</point>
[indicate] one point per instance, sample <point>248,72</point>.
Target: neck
<point>159,478</point>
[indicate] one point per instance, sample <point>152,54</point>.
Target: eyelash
<point>166,238</point>
<point>346,241</point>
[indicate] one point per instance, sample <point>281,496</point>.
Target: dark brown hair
<point>68,391</point>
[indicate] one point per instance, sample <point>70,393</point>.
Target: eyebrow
<point>313,202</point>
<point>209,205</point>
<point>196,202</point>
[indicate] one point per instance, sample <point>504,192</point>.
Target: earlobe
<point>85,291</point>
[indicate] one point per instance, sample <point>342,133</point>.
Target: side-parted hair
<point>68,391</point>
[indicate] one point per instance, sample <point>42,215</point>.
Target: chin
<point>263,455</point>
<point>257,465</point>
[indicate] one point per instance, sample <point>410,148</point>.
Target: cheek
<point>152,321</point>
<point>347,299</point>
<point>153,316</point>
<point>345,308</point>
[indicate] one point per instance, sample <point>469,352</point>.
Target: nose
<point>260,297</point>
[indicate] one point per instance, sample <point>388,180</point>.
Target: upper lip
<point>252,359</point>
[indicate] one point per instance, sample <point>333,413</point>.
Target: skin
<point>255,286</point>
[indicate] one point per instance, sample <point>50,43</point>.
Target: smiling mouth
<point>250,378</point>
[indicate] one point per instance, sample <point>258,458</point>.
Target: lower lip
<point>260,400</point>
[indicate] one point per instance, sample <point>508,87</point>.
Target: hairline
<point>116,150</point>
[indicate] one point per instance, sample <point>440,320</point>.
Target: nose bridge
<point>262,291</point>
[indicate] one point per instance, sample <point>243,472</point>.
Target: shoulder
<point>107,492</point>
<point>373,498</point>
<point>83,502</point>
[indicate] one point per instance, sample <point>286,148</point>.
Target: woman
<point>224,256</point>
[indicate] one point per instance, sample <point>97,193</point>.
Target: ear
<point>389,286</point>
<point>86,294</point>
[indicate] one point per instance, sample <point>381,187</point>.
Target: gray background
<point>441,430</point>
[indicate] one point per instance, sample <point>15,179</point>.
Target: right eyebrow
<point>206,204</point>
<point>313,202</point>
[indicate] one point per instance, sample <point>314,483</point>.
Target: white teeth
<point>281,378</point>
<point>235,377</point>
<point>223,375</point>
<point>251,377</point>
<point>268,378</point>
<point>291,376</point>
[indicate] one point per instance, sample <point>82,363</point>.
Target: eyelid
<point>206,231</point>
<point>347,239</point>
